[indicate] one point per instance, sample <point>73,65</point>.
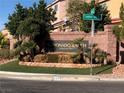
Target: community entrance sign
<point>68,46</point>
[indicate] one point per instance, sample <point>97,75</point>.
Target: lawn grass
<point>15,67</point>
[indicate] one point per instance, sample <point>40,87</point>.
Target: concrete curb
<point>55,77</point>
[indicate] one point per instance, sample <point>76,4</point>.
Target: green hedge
<point>7,54</point>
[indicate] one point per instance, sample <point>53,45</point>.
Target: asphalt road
<point>25,86</point>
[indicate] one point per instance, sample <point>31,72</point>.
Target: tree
<point>44,17</point>
<point>15,19</point>
<point>31,26</point>
<point>122,22</point>
<point>118,30</point>
<point>76,11</point>
<point>102,9</point>
<point>117,33</point>
<point>122,11</point>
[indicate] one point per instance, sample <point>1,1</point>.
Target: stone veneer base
<point>59,65</point>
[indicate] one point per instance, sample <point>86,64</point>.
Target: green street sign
<point>92,17</point>
<point>92,11</point>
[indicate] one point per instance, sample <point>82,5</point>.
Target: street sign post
<point>92,17</point>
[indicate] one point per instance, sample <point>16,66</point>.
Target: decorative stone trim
<point>60,65</point>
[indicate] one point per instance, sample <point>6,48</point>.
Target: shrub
<point>65,58</point>
<point>7,54</point>
<point>40,58</point>
<point>4,53</point>
<point>55,58</point>
<point>60,57</point>
<point>52,58</point>
<point>78,58</point>
<point>27,58</point>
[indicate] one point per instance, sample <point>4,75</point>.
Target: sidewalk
<point>56,77</point>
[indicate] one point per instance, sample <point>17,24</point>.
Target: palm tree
<point>26,49</point>
<point>79,57</point>
<point>84,53</point>
<point>119,33</point>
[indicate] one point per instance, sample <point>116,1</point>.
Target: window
<point>56,8</point>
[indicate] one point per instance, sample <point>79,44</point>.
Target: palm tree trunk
<point>119,56</point>
<point>119,52</point>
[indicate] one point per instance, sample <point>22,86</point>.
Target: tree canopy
<point>122,11</point>
<point>31,24</point>
<point>118,31</point>
<point>77,8</point>
<point>122,20</point>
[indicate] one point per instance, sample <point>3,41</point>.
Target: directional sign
<point>92,17</point>
<point>92,11</point>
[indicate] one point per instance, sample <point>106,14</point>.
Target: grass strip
<point>15,67</point>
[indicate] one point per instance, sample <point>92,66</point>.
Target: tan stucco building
<point>114,7</point>
<point>6,34</point>
<point>60,6</point>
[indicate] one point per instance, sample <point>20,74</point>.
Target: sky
<point>7,7</point>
